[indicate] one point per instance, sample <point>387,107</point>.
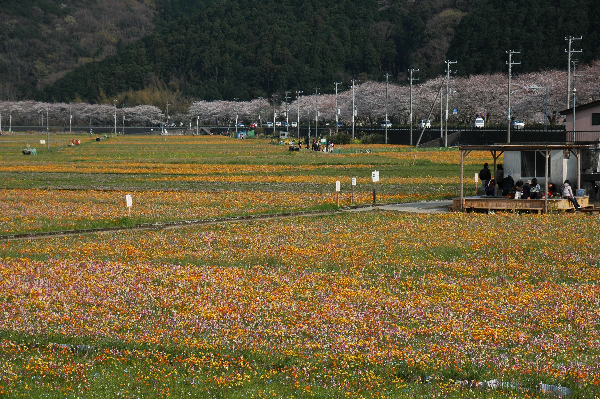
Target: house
<point>587,122</point>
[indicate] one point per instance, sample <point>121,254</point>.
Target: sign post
<point>352,194</point>
<point>476,182</point>
<point>375,177</point>
<point>129,203</point>
<point>337,190</point>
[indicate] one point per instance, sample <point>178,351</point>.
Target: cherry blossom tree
<point>471,96</point>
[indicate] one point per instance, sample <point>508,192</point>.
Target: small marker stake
<point>129,203</point>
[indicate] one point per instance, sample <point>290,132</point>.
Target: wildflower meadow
<point>339,304</point>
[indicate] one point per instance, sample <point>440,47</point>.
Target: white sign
<point>354,181</point>
<point>476,177</point>
<point>337,185</point>
<point>42,141</point>
<point>129,201</point>
<point>375,176</point>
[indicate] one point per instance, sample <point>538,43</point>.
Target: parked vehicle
<point>278,124</point>
<point>269,124</point>
<point>518,124</point>
<point>294,124</point>
<point>386,124</point>
<point>479,123</point>
<point>424,124</point>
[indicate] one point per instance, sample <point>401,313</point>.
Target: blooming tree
<point>471,96</point>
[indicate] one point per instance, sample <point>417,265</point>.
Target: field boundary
<point>179,223</point>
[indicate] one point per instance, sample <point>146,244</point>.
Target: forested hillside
<point>536,28</point>
<point>41,40</point>
<point>154,52</point>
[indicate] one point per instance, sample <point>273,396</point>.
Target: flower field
<point>352,305</point>
<point>182,178</point>
<point>347,305</point>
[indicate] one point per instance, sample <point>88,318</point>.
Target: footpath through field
<point>416,207</point>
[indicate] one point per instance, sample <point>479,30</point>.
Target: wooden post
<point>578,155</point>
<point>546,177</point>
<point>374,193</point>
<point>462,171</point>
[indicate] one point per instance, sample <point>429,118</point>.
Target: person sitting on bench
<point>567,193</point>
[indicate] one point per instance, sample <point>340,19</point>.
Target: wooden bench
<point>503,208</point>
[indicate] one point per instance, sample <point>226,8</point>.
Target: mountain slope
<point>182,50</point>
<point>41,40</point>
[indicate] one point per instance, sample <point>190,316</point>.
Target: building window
<point>533,164</point>
<point>596,119</point>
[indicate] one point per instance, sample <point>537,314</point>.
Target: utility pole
<point>574,75</point>
<point>353,108</point>
<point>337,110</point>
<point>317,113</point>
<point>287,111</point>
<point>510,63</point>
<point>387,75</point>
<point>574,92</point>
<point>298,92</point>
<point>47,127</point>
<point>274,97</point>
<point>448,63</point>
<point>411,79</point>
<point>236,117</point>
<point>441,111</point>
<point>115,106</point>
<point>260,111</point>
<point>569,51</point>
<point>70,118</point>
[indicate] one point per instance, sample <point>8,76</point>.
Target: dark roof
<point>580,107</point>
<point>524,147</point>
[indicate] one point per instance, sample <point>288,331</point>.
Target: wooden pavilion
<point>492,203</point>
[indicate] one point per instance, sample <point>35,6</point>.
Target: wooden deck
<point>487,204</point>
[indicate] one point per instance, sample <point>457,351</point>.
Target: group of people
<point>317,146</point>
<point>530,189</point>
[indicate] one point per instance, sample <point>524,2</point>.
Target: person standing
<point>485,175</point>
<point>567,193</point>
<point>498,177</point>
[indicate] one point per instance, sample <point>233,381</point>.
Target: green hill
<point>183,50</point>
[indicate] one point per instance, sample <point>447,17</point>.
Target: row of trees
<point>33,113</point>
<point>470,96</point>
<point>478,95</point>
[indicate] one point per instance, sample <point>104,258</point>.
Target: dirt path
<point>418,207</point>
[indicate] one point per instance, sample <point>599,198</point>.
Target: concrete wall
<point>559,168</point>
